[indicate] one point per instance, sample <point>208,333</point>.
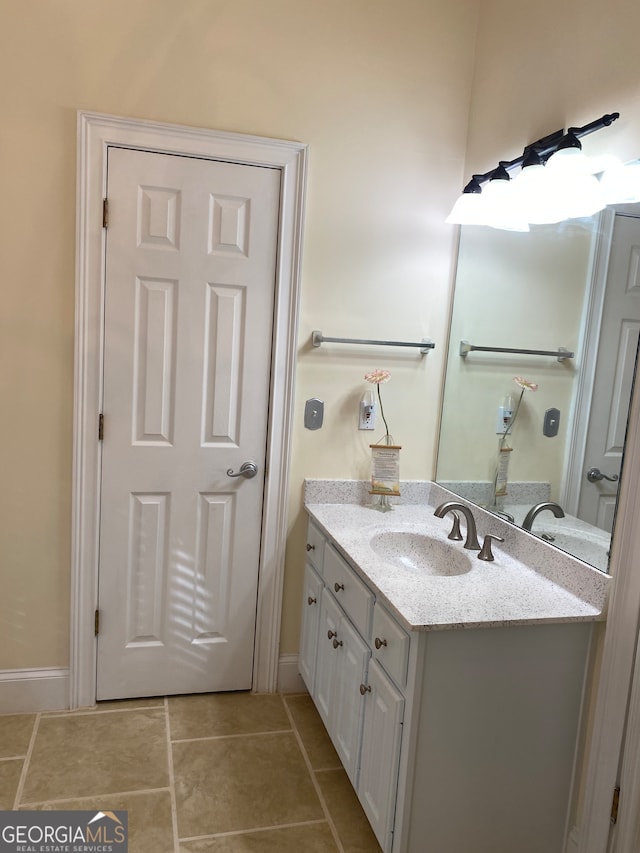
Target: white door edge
<point>585,363</point>
<point>96,132</point>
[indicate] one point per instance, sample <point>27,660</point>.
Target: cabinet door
<point>382,733</point>
<point>345,721</point>
<point>327,657</point>
<point>312,594</point>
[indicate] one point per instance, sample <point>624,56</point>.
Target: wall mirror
<point>574,285</point>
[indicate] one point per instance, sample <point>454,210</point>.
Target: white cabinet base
<point>456,741</point>
<point>489,760</point>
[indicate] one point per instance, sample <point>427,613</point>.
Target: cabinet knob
<point>336,643</point>
<point>311,601</point>
<point>310,547</point>
<point>331,633</point>
<point>338,586</point>
<point>365,688</point>
<point>379,643</point>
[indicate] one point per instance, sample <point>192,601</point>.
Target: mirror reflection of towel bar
<point>561,353</point>
<point>317,338</point>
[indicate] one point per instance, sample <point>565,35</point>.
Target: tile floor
<point>215,773</point>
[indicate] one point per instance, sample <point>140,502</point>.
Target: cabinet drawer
<point>390,645</point>
<point>315,547</point>
<point>355,598</point>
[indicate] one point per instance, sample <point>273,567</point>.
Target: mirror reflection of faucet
<point>501,513</point>
<point>535,510</point>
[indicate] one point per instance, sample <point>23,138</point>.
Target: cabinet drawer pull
<point>311,601</point>
<point>336,643</point>
<point>310,547</point>
<point>331,633</point>
<point>338,586</point>
<point>379,643</point>
<point>365,688</point>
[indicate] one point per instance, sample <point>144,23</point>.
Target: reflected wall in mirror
<point>574,285</point>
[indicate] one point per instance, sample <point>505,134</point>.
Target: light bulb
<point>536,196</point>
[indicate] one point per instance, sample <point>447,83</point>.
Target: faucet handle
<point>455,534</point>
<point>485,552</point>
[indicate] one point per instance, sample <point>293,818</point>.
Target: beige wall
<point>552,65</point>
<point>380,92</point>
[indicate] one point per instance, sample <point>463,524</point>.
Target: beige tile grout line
<point>231,737</point>
<point>314,781</point>
<point>53,800</point>
<point>25,766</point>
<point>254,830</point>
<point>172,779</point>
<point>83,712</point>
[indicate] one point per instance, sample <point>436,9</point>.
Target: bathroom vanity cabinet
<point>454,740</point>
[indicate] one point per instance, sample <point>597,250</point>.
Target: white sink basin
<point>420,553</point>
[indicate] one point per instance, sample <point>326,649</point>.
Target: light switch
<point>551,422</point>
<point>313,413</point>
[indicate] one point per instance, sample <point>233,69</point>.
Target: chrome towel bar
<point>317,338</point>
<point>561,353</point>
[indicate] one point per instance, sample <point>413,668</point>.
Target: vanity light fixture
<point>500,207</point>
<point>536,192</point>
<point>556,181</point>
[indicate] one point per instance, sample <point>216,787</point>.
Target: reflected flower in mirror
<point>524,385</point>
<point>500,479</point>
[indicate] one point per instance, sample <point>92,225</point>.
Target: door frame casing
<point>96,133</point>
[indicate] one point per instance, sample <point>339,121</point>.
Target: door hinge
<point>100,427</point>
<point>615,805</point>
<point>96,622</point>
<point>105,212</point>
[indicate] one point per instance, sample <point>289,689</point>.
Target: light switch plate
<point>313,413</point>
<point>551,422</point>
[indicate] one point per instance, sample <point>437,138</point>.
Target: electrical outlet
<point>367,416</point>
<point>503,419</point>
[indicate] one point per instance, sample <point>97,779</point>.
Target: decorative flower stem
<point>379,377</point>
<point>512,420</point>
<point>386,425</point>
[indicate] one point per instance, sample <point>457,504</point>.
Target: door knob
<point>247,470</point>
<point>594,475</point>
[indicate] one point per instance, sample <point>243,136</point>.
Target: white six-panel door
<point>614,373</point>
<point>190,271</point>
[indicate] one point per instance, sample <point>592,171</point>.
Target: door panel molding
<point>96,133</point>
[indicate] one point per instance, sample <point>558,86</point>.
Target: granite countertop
<point>529,582</point>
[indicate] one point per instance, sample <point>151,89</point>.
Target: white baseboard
<point>289,679</point>
<point>24,691</point>
<point>572,841</point>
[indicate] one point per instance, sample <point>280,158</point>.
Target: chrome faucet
<point>555,508</point>
<point>472,534</point>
